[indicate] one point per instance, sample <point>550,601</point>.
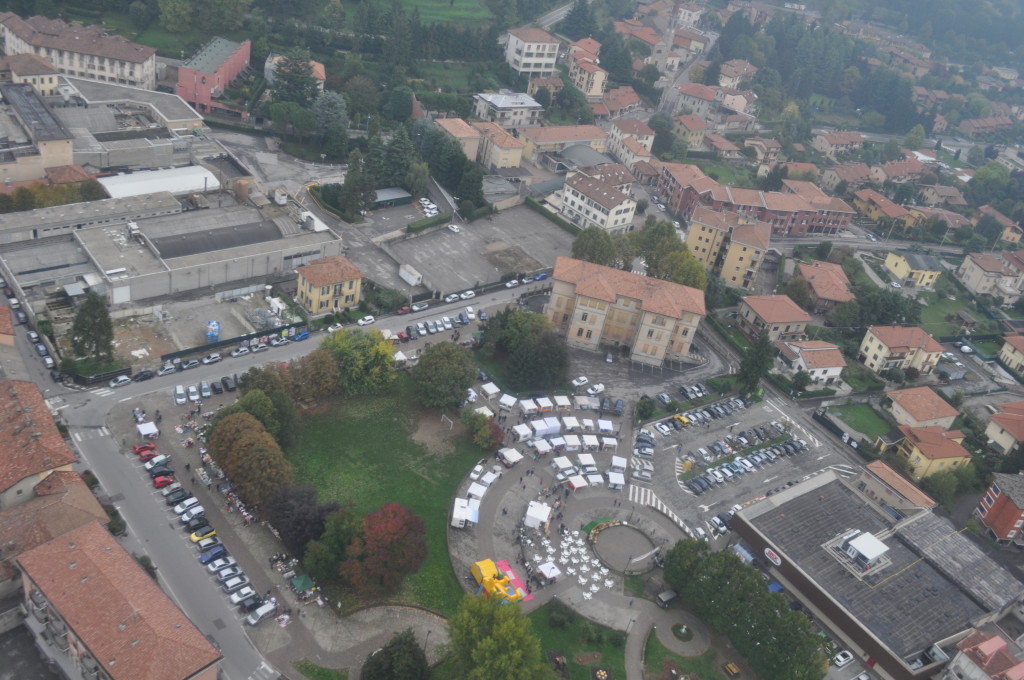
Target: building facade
<point>828,284</point>
<point>203,78</point>
<point>823,361</point>
<point>729,245</point>
<point>33,70</point>
<point>929,450</point>
<point>498,149</point>
<point>914,270</point>
<point>508,109</point>
<point>595,305</point>
<point>467,136</point>
<point>532,52</point>
<point>986,656</point>
<point>834,144</point>
<point>903,347</point>
<point>1012,353</point>
<point>1005,430</point>
<point>1001,509</point>
<point>591,202</point>
<point>620,132</point>
<point>776,315</point>
<point>328,285</point>
<point>921,407</point>
<point>991,274</point>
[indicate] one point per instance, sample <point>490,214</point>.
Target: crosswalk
<point>644,496</point>
<point>102,391</point>
<point>265,672</point>
<point>81,435</point>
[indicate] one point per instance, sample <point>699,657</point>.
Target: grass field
<point>314,672</point>
<point>727,173</point>
<point>860,378</point>
<point>361,450</point>
<point>937,308</point>
<point>465,12</point>
<point>704,666</point>
<point>988,347</point>
<point>864,419</point>
<point>570,642</point>
<point>450,76</point>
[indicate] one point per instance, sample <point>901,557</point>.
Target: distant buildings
<point>979,127</point>
<point>630,141</point>
<point>834,144</point>
<point>330,284</point>
<point>31,69</point>
<point>902,347</point>
<point>36,139</point>
<point>775,315</point>
<point>584,72</point>
<point>691,129</point>
<point>729,245</point>
<point>1012,352</point>
<point>1011,230</point>
<point>594,306</point>
<point>986,655</point>
<point>273,62</point>
<point>552,139</point>
<point>879,207</point>
<point>508,109</point>
<point>855,175</point>
<point>532,52</point>
<point>204,76</point>
<point>735,71</point>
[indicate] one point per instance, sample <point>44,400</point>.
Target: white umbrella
<point>609,583</point>
<point>583,581</point>
<point>587,596</point>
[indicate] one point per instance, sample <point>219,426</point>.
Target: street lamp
<point>323,158</point>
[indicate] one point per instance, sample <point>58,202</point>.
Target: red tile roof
<point>1016,342</point>
<point>458,128</point>
<point>620,98</point>
<point>127,623</point>
<point>698,91</point>
<point>754,235</point>
<point>30,444</point>
<point>901,484</point>
<point>776,308</point>
<point>816,354</point>
<point>1011,418</point>
<point>922,403</point>
<point>632,126</point>
<point>935,442</point>
<point>888,208</point>
<point>28,65</point>
<point>330,270</point>
<point>59,35</point>
<point>1000,217</point>
<point>835,138</point>
<point>827,280</point>
<point>596,190</point>
<point>551,134</point>
<point>692,122</point>
<point>608,283</point>
<point>905,338</point>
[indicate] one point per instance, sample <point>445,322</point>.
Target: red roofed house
<point>828,282</point>
<point>31,447</point>
<point>95,611</point>
<point>931,449</point>
<point>903,347</point>
<point>621,131</point>
<point>731,73</point>
<point>822,360</point>
<point>595,305</point>
<point>700,99</point>
<point>855,175</point>
<point>1001,510</point>
<point>584,72</point>
<point>729,245</point>
<point>767,150</point>
<point>205,75</point>
<point>776,315</point>
<point>834,144</point>
<point>1011,230</point>
<point>636,29</point>
<point>1005,429</point>
<point>316,69</point>
<point>329,284</point>
<point>1012,353</point>
<point>991,274</point>
<point>986,656</point>
<point>940,194</point>
<point>722,147</point>
<point>977,127</point>
<point>591,202</point>
<point>621,100</point>
<point>921,407</point>
<point>878,207</point>
<point>897,172</point>
<point>691,129</point>
<point>886,487</point>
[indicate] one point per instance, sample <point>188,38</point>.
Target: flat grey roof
<point>48,260</point>
<point>172,107</point>
<point>94,119</point>
<point>923,262</point>
<point>392,193</point>
<point>908,604</point>
<point>78,213</point>
<point>211,55</point>
<point>42,125</point>
<point>223,238</point>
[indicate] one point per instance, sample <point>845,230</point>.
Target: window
<point>589,334</point>
<point>988,499</point>
<point>584,316</point>
<point>995,490</point>
<point>323,304</point>
<point>981,509</point>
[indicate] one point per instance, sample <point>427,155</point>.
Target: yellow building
<point>691,129</point>
<point>588,78</point>
<point>498,149</point>
<point>468,136</point>
<point>31,69</point>
<point>729,245</point>
<point>903,347</point>
<point>554,138</point>
<point>932,449</point>
<point>330,284</point>
<point>878,207</point>
<point>1012,352</point>
<point>921,407</point>
<point>595,305</point>
<point>776,315</point>
<point>1005,430</point>
<point>914,269</point>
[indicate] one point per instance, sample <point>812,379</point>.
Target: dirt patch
<point>433,433</point>
<point>509,258</point>
<point>141,342</point>
<point>587,659</point>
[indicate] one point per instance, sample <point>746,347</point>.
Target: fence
<point>262,336</point>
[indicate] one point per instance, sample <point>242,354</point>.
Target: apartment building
<point>834,144</point>
<point>498,149</point>
<point>878,207</point>
<point>855,175</point>
<point>508,109</point>
<point>775,315</point>
<point>733,72</point>
<point>691,129</point>
<point>903,347</point>
<point>330,284</point>
<point>203,77</point>
<point>467,136</point>
<point>31,69</point>
<point>595,306</point>
<point>729,245</point>
<point>532,52</point>
<point>991,274</point>
<point>1001,510</point>
<point>1012,352</point>
<point>591,202</point>
<point>1005,430</point>
<point>620,132</point>
<point>929,450</point>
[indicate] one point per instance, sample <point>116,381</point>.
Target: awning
<point>605,426</point>
<point>506,402</point>
<point>528,405</point>
<point>586,459</point>
<point>616,479</point>
<point>561,463</point>
<point>549,570</point>
<point>570,423</point>
<point>302,583</point>
<point>577,482</point>
<point>562,402</point>
<point>477,490</point>
<point>490,390</point>
<point>544,404</point>
<point>486,412</point>
<point>542,446</point>
<point>147,429</point>
<point>522,431</point>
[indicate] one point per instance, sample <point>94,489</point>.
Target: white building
<point>508,109</point>
<point>590,202</point>
<point>822,360</point>
<point>532,52</point>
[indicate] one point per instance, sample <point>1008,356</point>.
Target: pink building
<point>203,78</point>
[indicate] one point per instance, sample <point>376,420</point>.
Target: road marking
<point>102,391</point>
<point>121,401</point>
<point>104,431</point>
<point>77,437</point>
<point>647,497</point>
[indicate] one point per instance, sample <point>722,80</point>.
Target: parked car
<point>217,387</point>
<point>212,358</point>
<point>663,429</point>
<point>595,390</point>
<point>166,369</point>
<point>220,563</point>
<point>454,297</point>
<point>278,341</point>
<point>162,481</point>
<point>454,228</point>
<point>580,381</point>
<point>193,393</point>
<point>540,277</point>
<point>141,448</point>
<point>200,534</point>
<point>366,321</point>
<point>258,347</point>
<point>41,349</point>
<point>466,295</point>
<point>177,497</point>
<point>191,363</point>
<point>145,374</point>
<point>228,573</point>
<point>214,553</point>
<point>512,284</point>
<point>148,455</point>
<point>420,306</point>
<point>664,398</point>
<point>182,507</point>
<point>842,658</point>
<point>240,596</point>
<point>228,383</point>
<point>239,351</point>
<point>300,336</point>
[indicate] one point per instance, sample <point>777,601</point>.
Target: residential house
<point>1011,230</point>
<point>835,144</point>
<point>991,274</point>
<point>1001,510</point>
<point>586,47</point>
<point>931,449</point>
<point>920,407</point>
<point>690,39</point>
<point>937,194</point>
<point>914,270</point>
<point>96,613</point>
<point>986,655</point>
<point>979,127</point>
<point>591,202</point>
<point>329,285</point>
<point>878,207</point>
<point>828,283</point>
<point>616,175</point>
<point>1005,430</point>
<point>1012,353</point>
<point>691,129</point>
<point>689,13</point>
<point>31,69</point>
<point>620,101</point>
<point>903,347</point>
<point>631,28</point>
<point>620,132</point>
<point>766,150</point>
<point>939,124</point>
<point>738,101</point>
<point>897,172</point>
<point>953,220</point>
<point>316,69</point>
<point>701,100</point>
<point>462,132</point>
<point>532,52</point>
<point>508,109</point>
<point>729,245</point>
<point>595,305</point>
<point>553,84</point>
<point>84,51</point>
<point>889,489</point>
<point>722,147</point>
<point>553,138</point>
<point>584,72</point>
<point>498,149</point>
<point>733,72</point>
<point>204,76</point>
<point>776,315</point>
<point>31,447</point>
<point>855,175</point>
<point>823,361</point>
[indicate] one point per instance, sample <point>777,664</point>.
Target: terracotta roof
<point>1016,342</point>
<point>883,203</point>
<point>803,188</point>
<point>62,502</point>
<point>608,283</point>
<point>692,122</point>
<point>620,98</point>
<point>6,321</point>
<point>852,173</point>
<point>827,280</point>
<point>901,484</point>
<point>737,68</point>
<point>498,135</point>
<point>1011,422</point>
<point>698,91</point>
<point>551,134</point>
<point>329,270</point>
<point>908,168</point>
<point>934,442</point>
<point>552,83</point>
<point>953,220</point>
<point>1012,486</point>
<point>815,353</point>
<point>588,66</point>
<point>905,337</point>
<point>835,138</point>
<point>599,192</point>
<point>764,142</point>
<point>67,174</point>
<point>121,616</point>
<point>776,308</point>
<point>78,38</point>
<point>685,174</point>
<point>29,441</point>
<point>615,174</point>
<point>458,128</point>
<point>991,653</point>
<point>719,142</point>
<point>633,126</point>
<point>588,45</point>
<point>951,195</point>
<point>636,147</point>
<point>754,235</point>
<point>28,65</point>
<point>533,35</point>
<point>990,263</point>
<point>922,403</point>
<point>1000,217</point>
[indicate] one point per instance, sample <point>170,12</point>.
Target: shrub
<point>427,222</point>
<point>560,616</point>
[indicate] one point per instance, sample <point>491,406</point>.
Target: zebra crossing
<point>265,672</point>
<point>101,391</point>
<point>80,435</point>
<point>645,496</point>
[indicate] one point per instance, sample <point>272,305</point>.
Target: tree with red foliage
<point>391,546</point>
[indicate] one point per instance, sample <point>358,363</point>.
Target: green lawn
<point>860,378</point>
<point>738,175</point>
<point>360,450</point>
<point>462,11</point>
<point>864,419</point>
<point>937,308</point>
<point>450,76</point>
<point>314,672</point>
<point>988,347</point>
<point>570,642</point>
<point>705,666</point>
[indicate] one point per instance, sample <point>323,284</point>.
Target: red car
<point>403,310</point>
<point>148,455</point>
<point>162,481</point>
<point>139,448</point>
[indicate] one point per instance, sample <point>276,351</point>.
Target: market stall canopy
<point>577,482</point>
<point>477,490</point>
<point>528,406</point>
<point>605,426</point>
<point>557,442</point>
<point>572,442</point>
<point>618,463</point>
<point>570,423</point>
<point>582,401</point>
<point>586,459</point>
<point>302,583</point>
<point>537,514</point>
<point>595,479</point>
<point>561,463</point>
<point>591,441</point>
<point>490,390</point>
<point>542,446</point>
<point>147,429</point>
<point>562,402</point>
<point>616,479</point>
<point>609,443</point>
<point>549,570</point>
<point>522,431</point>
<point>489,478</point>
<point>587,424</point>
<point>507,401</point>
<point>486,412</point>
<point>544,404</point>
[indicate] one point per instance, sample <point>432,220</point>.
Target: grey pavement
<point>22,659</point>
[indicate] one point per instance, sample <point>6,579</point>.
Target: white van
<point>179,395</point>
<point>261,613</point>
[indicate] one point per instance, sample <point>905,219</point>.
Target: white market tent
<point>618,464</point>
<point>590,442</point>
<point>605,426</point>
<point>577,482</point>
<point>586,459</point>
<point>465,510</point>
<point>558,443</point>
<point>544,405</point>
<point>542,428</point>
<point>570,423</point>
<point>587,424</point>
<point>582,402</point>
<point>572,442</point>
<point>595,479</point>
<point>400,357</point>
<point>549,570</point>
<point>488,413</point>
<point>609,443</point>
<point>179,181</point>
<point>510,456</point>
<point>506,402</point>
<point>562,402</point>
<point>522,431</point>
<point>561,463</point>
<point>476,490</point>
<point>537,514</point>
<point>554,423</point>
<point>147,430</point>
<point>616,480</point>
<point>489,479</point>
<point>490,390</point>
<point>528,406</point>
<point>595,403</point>
<point>543,446</point>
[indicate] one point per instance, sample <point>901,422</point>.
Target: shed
<point>951,371</point>
<point>591,442</point>
<point>618,464</point>
<point>577,482</point>
<point>616,480</point>
<point>391,196</point>
<point>521,432</point>
<point>528,406</point>
<point>562,403</point>
<point>506,402</point>
<point>543,447</point>
<point>537,514</point>
<point>966,319</point>
<point>476,490</point>
<point>544,405</point>
<point>490,390</point>
<point>572,442</point>
<point>570,423</point>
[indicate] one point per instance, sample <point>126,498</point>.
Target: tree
<point>645,408</point>
<point>579,22</point>
<point>593,244</point>
<point>24,199</point>
<point>297,516</point>
<point>293,79</point>
<point>324,556</point>
<point>398,158</point>
<point>942,486</point>
<point>493,641</point>
<point>773,180</point>
<point>316,375</point>
<point>401,657</point>
<point>680,266</point>
<point>444,373</point>
<point>417,178</point>
<point>915,138</point>
<point>333,16</point>
<point>755,365</point>
<point>541,363</point>
<point>92,332</point>
<point>330,111</point>
<point>363,97</point>
<point>543,97</point>
<point>471,185</point>
<point>392,546</point>
<point>976,155</point>
<point>396,104</point>
<point>91,190</point>
<point>175,15</point>
<point>801,380</point>
<point>256,403</point>
<point>799,291</point>
<point>256,466</point>
<point>365,360</point>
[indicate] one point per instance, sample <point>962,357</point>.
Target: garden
<point>864,419</point>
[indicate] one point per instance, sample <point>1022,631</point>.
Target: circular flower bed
<point>682,632</point>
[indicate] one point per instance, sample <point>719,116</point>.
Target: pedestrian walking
<point>193,481</point>
<point>631,603</point>
<point>188,466</point>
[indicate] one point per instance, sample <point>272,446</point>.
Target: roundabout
<point>625,548</point>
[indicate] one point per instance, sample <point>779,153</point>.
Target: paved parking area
<point>22,659</point>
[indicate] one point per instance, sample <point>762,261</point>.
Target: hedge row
<point>563,224</point>
<point>238,128</point>
<point>785,384</point>
<point>427,222</point>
